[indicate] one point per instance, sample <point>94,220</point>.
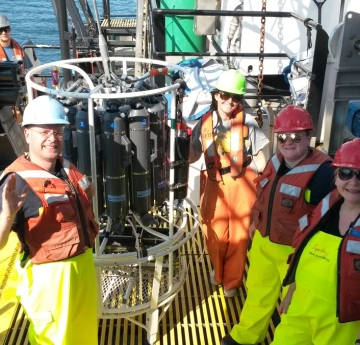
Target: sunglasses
<point>235,98</point>
<point>346,174</point>
<point>6,29</point>
<point>294,137</point>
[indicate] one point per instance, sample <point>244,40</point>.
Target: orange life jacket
<point>348,294</point>
<point>238,133</point>
<point>18,53</point>
<point>280,202</point>
<point>57,233</point>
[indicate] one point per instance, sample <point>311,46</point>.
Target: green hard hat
<point>232,81</point>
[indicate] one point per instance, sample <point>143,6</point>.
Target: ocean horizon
<point>35,20</point>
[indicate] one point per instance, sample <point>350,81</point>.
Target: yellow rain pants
<point>268,267</point>
<point>311,317</point>
<point>225,209</point>
<point>60,301</point>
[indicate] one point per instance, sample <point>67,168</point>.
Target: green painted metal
<point>179,30</point>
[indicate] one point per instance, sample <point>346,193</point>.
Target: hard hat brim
<point>53,122</point>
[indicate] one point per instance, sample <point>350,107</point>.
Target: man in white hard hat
<point>47,202</point>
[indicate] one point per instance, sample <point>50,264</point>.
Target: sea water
<point>35,20</point>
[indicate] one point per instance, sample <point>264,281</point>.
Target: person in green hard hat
<point>231,143</point>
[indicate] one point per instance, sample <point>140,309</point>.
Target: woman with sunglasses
<point>294,181</point>
<point>322,305</point>
<point>232,144</point>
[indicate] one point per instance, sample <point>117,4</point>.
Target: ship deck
<point>199,314</point>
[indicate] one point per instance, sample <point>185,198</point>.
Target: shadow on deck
<point>199,314</point>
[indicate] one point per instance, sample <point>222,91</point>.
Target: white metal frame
<point>113,269</point>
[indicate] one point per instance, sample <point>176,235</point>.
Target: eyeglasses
<point>48,133</point>
<point>347,174</point>
<point>294,137</point>
<point>235,98</point>
<point>6,29</point>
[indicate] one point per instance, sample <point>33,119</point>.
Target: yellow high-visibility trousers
<point>268,266</point>
<point>60,301</point>
<point>307,322</point>
<point>311,317</point>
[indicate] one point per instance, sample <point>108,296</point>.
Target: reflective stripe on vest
<point>353,247</point>
<point>264,182</point>
<point>303,222</point>
<point>297,170</point>
<point>51,198</point>
<point>84,183</point>
<point>276,163</point>
<point>304,168</point>
<point>34,174</point>
<point>290,190</point>
<point>325,205</point>
<point>54,196</point>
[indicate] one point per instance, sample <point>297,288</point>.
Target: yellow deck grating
<point>119,23</point>
<point>199,314</point>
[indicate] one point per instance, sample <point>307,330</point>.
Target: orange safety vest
<point>57,233</point>
<point>18,53</point>
<point>280,202</point>
<point>238,132</point>
<point>348,293</point>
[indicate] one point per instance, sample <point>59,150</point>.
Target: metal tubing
<point>60,6</point>
<point>229,13</point>
<point>139,39</point>
<point>91,120</point>
<point>267,55</point>
<point>106,10</point>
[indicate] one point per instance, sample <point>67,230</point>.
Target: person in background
<point>294,181</point>
<point>48,203</point>
<point>232,144</point>
<point>10,49</point>
<point>322,305</point>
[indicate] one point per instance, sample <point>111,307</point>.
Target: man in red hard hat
<point>294,181</point>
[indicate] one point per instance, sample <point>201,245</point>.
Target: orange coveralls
<point>226,205</point>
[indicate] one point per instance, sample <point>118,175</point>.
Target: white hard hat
<point>4,21</point>
<point>44,110</point>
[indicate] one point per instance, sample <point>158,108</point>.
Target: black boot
<point>227,340</point>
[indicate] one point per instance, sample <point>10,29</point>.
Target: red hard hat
<point>292,118</point>
<point>348,155</point>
